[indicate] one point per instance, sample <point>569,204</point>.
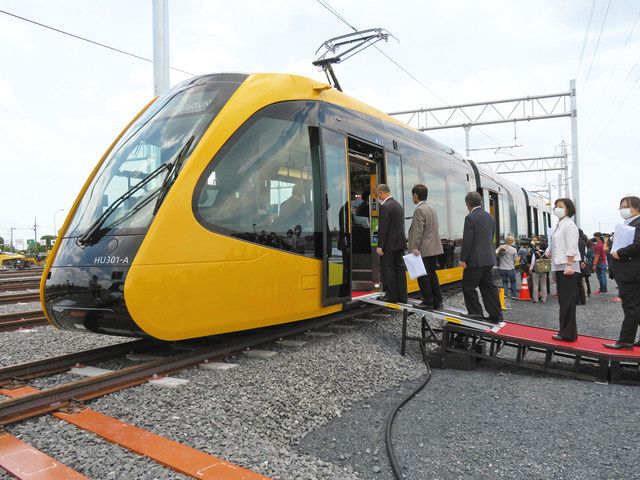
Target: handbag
<point>542,265</point>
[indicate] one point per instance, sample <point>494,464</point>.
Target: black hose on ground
<point>387,436</point>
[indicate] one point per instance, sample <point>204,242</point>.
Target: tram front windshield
<point>153,140</point>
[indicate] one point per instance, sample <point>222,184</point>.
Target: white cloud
<point>7,96</point>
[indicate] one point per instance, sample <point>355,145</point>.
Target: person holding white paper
<point>424,241</point>
<point>626,270</point>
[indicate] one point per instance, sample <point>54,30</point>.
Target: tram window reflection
<point>260,187</point>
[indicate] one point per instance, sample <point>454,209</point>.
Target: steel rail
<point>19,297</point>
<point>13,321</point>
<point>15,286</point>
<point>52,399</point>
<point>17,273</point>
<point>48,366</point>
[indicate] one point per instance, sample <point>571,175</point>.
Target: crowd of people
<point>568,257</point>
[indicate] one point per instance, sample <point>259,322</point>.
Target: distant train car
<point>240,201</point>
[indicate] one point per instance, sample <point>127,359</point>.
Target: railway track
<point>52,399</point>
<point>19,285</point>
<point>14,321</point>
<point>19,298</point>
<point>21,273</point>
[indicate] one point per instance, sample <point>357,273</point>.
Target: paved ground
<point>319,411</point>
<point>494,422</point>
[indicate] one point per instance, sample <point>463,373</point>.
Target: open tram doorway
<point>352,170</point>
<point>365,166</point>
<point>492,205</point>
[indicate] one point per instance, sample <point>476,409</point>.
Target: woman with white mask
<point>626,270</point>
<point>565,265</point>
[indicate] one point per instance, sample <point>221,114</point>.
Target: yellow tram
<point>238,201</point>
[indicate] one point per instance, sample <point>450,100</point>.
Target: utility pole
<point>575,171</point>
<point>560,185</point>
<point>12,229</point>
<point>55,230</point>
<point>160,46</point>
<point>35,229</point>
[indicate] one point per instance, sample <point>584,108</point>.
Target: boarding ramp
<point>465,342</point>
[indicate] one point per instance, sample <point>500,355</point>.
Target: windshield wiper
<point>172,174</point>
<point>95,232</point>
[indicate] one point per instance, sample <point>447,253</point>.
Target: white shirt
<point>420,203</point>
<point>382,202</point>
<point>479,206</point>
<point>559,249</point>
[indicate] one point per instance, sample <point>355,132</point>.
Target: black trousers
<point>429,283</point>
<point>630,296</point>
<point>582,294</point>
<point>587,283</point>
<point>567,287</point>
<point>393,275</point>
<point>482,277</point>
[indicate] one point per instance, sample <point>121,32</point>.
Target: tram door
<point>492,205</point>
<point>336,227</point>
<point>352,169</point>
<point>365,172</point>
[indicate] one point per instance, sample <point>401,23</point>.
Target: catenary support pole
<point>560,186</point>
<point>160,46</point>
<point>466,137</point>
<point>575,171</point>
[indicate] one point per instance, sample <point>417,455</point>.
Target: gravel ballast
<point>319,410</point>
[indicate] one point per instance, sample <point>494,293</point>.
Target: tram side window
<point>410,177</point>
<point>438,200</point>
<point>513,217</point>
<point>259,188</point>
<point>394,176</point>
<point>457,191</point>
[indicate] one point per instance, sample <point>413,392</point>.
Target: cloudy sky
<point>62,100</point>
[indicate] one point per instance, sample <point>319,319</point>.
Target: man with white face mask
<point>565,256</point>
<point>626,270</point>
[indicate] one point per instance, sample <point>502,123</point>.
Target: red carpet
<point>584,344</point>
<point>355,294</point>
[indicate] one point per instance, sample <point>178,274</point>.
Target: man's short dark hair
<point>633,202</point>
<point>365,195</point>
<point>473,199</point>
<point>568,204</point>
<point>421,191</point>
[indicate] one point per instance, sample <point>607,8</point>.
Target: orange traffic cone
<point>524,288</point>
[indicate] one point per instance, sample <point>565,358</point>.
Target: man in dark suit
<point>625,266</point>
<point>478,259</point>
<point>391,246</point>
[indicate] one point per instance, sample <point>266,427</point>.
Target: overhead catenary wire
<point>93,42</point>
<point>333,11</point>
<point>613,70</point>
<point>604,129</point>
<point>586,36</point>
<point>595,51</point>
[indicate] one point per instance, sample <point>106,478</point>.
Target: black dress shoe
<point>426,306</point>
<point>560,338</point>
<point>437,307</point>
<point>385,298</point>
<point>619,345</point>
<point>637,344</point>
<point>476,316</point>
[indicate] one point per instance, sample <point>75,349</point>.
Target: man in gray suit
<point>424,240</point>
